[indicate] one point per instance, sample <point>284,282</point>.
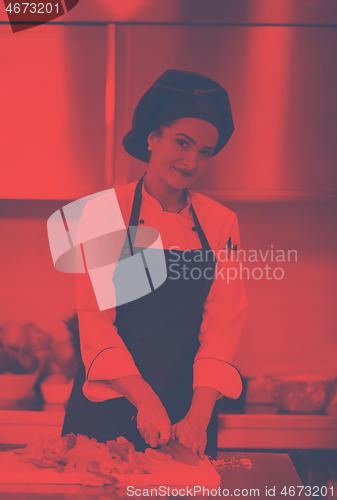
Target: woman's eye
<point>206,154</point>
<point>181,142</point>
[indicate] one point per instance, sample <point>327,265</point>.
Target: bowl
<point>301,393</point>
<point>56,391</point>
<point>15,387</point>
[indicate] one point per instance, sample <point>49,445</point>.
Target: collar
<point>156,204</point>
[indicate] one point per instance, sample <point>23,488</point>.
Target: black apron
<point>160,330</point>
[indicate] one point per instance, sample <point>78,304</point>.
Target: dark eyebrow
<point>193,141</point>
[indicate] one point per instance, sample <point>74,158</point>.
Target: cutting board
<point>164,473</point>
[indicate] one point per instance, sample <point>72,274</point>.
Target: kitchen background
<point>67,97</point>
<point>68,91</point>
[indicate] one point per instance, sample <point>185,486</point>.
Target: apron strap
<point>137,200</point>
<point>133,222</point>
<point>135,212</point>
<point>201,234</point>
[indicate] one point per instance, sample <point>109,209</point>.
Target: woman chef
<point>155,367</point>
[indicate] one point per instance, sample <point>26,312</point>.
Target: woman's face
<point>182,151</point>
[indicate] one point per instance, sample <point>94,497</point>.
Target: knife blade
<point>179,452</point>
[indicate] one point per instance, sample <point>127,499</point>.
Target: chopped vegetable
<point>157,454</point>
<point>97,463</point>
<point>117,449</point>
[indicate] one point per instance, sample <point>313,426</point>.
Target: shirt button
<point>194,228</point>
<point>141,221</point>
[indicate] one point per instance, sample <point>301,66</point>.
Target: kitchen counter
<point>259,427</point>
<point>263,427</point>
<point>238,470</point>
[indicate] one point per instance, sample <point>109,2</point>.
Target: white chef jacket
<point>224,311</point>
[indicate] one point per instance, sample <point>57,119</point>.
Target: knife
<point>178,451</point>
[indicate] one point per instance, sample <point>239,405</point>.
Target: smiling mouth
<point>184,173</point>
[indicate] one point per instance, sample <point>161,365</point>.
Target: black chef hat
<point>179,94</point>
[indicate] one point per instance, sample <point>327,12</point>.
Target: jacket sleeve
<point>104,353</point>
<point>223,319</point>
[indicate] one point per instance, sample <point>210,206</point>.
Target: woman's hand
<point>191,431</point>
<point>153,422</point>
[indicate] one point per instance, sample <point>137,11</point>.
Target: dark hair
<point>159,130</point>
